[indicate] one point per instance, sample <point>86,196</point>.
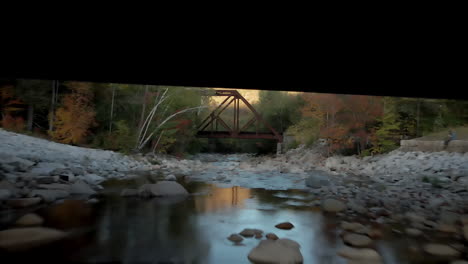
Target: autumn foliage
<point>10,106</point>
<point>75,117</point>
<point>342,119</point>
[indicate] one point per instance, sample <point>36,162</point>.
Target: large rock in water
<point>162,188</point>
<point>28,237</point>
<point>276,251</point>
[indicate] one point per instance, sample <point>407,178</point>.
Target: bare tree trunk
<point>417,117</point>
<point>30,117</point>
<point>112,109</point>
<point>142,117</point>
<point>52,107</point>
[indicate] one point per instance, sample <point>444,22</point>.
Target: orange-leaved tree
<point>10,106</point>
<point>75,116</point>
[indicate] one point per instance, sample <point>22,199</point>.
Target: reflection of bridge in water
<point>222,198</point>
<point>214,121</point>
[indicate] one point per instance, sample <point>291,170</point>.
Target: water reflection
<point>192,230</point>
<point>220,198</point>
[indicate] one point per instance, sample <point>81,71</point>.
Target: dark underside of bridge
<point>243,135</point>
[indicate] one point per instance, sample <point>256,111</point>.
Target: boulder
<point>357,240</point>
<point>333,206</point>
<point>271,236</point>
<point>285,225</point>
<point>49,196</point>
<point>162,188</point>
<point>441,250</point>
<point>352,226</point>
<point>247,232</point>
<point>29,220</point>
<point>413,232</point>
<point>235,238</point>
<point>171,177</point>
<point>129,192</point>
<point>23,202</point>
<point>276,251</point>
<point>360,255</point>
<point>81,187</point>
<point>17,239</point>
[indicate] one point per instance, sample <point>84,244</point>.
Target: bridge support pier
<point>279,148</point>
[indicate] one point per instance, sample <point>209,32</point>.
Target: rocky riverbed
<point>409,194</point>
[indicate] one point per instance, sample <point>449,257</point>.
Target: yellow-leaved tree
<point>75,116</point>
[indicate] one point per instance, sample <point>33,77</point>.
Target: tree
<point>75,116</point>
<point>386,135</point>
<point>10,107</point>
<point>36,95</point>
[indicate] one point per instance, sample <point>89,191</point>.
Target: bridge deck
<point>244,135</point>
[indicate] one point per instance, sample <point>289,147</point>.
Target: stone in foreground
<point>441,250</point>
<point>161,189</point>
<point>333,206</point>
<point>357,240</point>
<point>29,237</point>
<point>360,255</point>
<point>276,251</point>
<point>29,220</point>
<point>285,225</point>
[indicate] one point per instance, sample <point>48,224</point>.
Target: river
<point>195,230</point>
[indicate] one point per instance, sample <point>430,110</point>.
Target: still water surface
<point>193,230</point>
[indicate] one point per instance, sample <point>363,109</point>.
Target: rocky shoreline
<point>423,192</point>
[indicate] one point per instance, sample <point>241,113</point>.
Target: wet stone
<point>271,236</point>
<point>235,238</point>
<point>357,240</point>
<point>29,220</point>
<point>441,250</point>
<point>413,232</point>
<point>285,226</point>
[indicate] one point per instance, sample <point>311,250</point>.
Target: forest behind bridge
<point>162,119</point>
